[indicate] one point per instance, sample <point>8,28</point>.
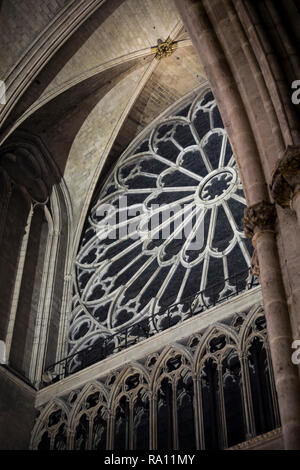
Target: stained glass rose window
<point>167,224</point>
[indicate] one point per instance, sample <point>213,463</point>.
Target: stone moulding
<point>151,346</point>
<point>140,380</point>
<point>258,440</point>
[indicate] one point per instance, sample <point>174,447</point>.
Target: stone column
<point>222,410</point>
<point>260,217</point>
<point>247,400</point>
<point>259,223</point>
<point>111,429</point>
<point>197,403</point>
<point>230,104</point>
<point>175,417</point>
<point>153,420</point>
<point>18,282</point>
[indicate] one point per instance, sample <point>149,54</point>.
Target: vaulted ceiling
<point>103,85</point>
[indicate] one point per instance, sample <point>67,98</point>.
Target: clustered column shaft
<point>260,217</point>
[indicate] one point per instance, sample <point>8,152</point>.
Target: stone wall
<point>17,412</point>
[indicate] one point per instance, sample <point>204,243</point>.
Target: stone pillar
<point>17,284</point>
<point>260,217</point>
<point>153,420</point>
<point>230,104</point>
<point>199,428</point>
<point>12,236</point>
<point>247,400</point>
<point>259,223</point>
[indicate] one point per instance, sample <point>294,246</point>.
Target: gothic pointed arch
<point>89,418</point>
<point>167,353</point>
<point>178,182</point>
<point>50,430</point>
<point>216,332</point>
<point>131,369</point>
<point>130,409</point>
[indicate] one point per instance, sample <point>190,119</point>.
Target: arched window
<point>131,413</point>
<point>221,386</point>
<point>233,398</point>
<point>259,377</point>
<point>174,397</point>
<point>165,416</point>
<point>261,387</point>
<point>89,419</point>
<point>53,430</point>
<point>210,405</point>
<point>141,421</point>
<point>214,391</point>
<point>185,411</point>
<point>166,224</point>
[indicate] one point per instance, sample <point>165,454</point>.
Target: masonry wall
<point>16,412</point>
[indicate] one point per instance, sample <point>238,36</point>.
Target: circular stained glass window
<point>167,224</point>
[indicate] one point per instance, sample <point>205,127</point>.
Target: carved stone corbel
<point>258,218</point>
<point>26,168</point>
<point>286,178</point>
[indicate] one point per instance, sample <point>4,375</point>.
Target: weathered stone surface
<point>17,413</point>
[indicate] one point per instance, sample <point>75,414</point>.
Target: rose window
<point>166,225</point>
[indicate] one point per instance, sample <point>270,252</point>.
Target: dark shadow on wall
<point>17,413</point>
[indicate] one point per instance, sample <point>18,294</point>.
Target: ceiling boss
<point>164,49</point>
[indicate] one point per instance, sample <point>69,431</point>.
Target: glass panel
<point>261,388</point>
<point>172,205</point>
<point>141,422</point>
<point>231,370</point>
<point>82,433</point>
<point>185,413</point>
<point>100,430</point>
<point>165,416</point>
<point>211,405</point>
<point>122,425</point>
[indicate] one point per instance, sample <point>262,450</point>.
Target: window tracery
<point>134,260</point>
<point>212,392</point>
<point>52,429</point>
<point>130,413</point>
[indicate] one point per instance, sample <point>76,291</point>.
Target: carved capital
<point>29,165</point>
<point>286,177</point>
<point>259,218</point>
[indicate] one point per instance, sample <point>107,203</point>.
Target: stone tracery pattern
<point>185,163</point>
<point>213,391</point>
